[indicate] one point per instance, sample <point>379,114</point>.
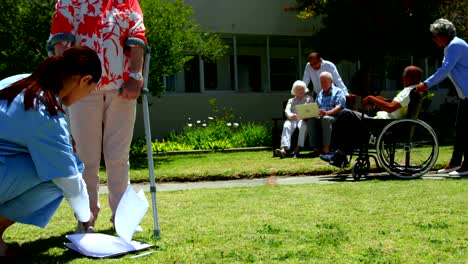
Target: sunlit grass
<point>220,165</point>
<point>417,221</point>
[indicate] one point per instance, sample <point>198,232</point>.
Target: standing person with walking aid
<point>104,120</point>
<point>454,66</point>
<point>38,166</point>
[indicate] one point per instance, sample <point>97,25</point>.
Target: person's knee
<point>327,119</point>
<point>303,129</point>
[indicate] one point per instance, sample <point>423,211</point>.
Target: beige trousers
<point>103,122</point>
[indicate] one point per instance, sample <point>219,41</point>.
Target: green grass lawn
<point>395,221</point>
<point>236,165</point>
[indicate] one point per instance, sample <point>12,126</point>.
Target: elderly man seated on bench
<point>348,125</point>
<point>331,100</point>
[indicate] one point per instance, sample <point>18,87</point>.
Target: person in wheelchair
<point>344,138</point>
<point>299,91</point>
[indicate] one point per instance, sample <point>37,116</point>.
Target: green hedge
<point>221,131</point>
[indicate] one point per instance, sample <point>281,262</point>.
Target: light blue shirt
<point>334,98</point>
<point>454,66</point>
<point>47,140</point>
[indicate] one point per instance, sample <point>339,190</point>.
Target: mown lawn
<point>393,221</point>
<point>237,165</point>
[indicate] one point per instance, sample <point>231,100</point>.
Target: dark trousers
<point>460,148</point>
<point>348,131</point>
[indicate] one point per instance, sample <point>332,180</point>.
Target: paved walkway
<point>284,180</point>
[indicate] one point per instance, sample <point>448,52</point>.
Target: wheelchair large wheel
<point>407,148</point>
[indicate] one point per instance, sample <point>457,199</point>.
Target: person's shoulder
<point>457,43</point>
<point>12,79</point>
<point>336,90</point>
<point>408,89</point>
<point>405,93</point>
<point>328,63</point>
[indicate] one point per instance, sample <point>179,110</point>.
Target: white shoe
<point>460,172</point>
<point>280,153</point>
<point>448,169</point>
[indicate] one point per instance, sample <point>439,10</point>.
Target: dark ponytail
<point>49,77</point>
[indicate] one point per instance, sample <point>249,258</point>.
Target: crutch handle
<point>62,37</point>
<point>137,42</point>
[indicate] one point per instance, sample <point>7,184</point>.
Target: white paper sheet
<point>130,211</point>
<point>305,111</point>
<point>102,246</point>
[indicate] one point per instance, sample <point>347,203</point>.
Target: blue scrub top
<point>35,132</point>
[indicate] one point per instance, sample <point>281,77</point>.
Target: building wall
<point>264,17</point>
<point>172,112</point>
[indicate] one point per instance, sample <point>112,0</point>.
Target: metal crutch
<point>149,150</point>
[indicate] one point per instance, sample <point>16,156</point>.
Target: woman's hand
<point>293,117</point>
<point>131,89</point>
<point>322,112</point>
<point>422,87</point>
<point>90,223</point>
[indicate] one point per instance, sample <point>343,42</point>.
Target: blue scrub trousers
<point>24,197</point>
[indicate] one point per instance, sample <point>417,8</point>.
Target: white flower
<point>190,124</point>
<point>236,124</point>
<point>210,118</point>
<point>198,121</point>
<point>229,124</point>
<point>204,125</point>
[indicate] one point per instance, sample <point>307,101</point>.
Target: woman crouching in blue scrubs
<point>38,166</point>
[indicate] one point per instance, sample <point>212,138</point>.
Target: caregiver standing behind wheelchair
<point>38,166</point>
<point>454,66</point>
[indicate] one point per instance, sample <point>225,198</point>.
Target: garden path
<point>271,181</point>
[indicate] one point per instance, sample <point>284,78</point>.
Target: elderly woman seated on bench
<point>343,137</point>
<point>299,91</point>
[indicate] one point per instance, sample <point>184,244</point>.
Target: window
<point>283,73</point>
<point>211,75</point>
<point>248,73</point>
<point>192,76</point>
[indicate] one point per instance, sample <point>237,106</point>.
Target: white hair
<point>443,27</point>
<point>327,74</point>
<point>297,84</point>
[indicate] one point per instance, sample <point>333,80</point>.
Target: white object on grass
<point>130,211</point>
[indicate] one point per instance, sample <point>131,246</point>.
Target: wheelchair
<point>405,148</point>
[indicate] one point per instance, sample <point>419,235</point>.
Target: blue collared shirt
<point>334,97</point>
<point>454,66</point>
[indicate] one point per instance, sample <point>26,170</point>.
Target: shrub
<point>219,132</point>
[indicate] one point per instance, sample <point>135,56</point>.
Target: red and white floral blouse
<point>102,25</point>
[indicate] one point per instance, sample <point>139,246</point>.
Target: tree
<point>24,29</point>
<point>173,35</point>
